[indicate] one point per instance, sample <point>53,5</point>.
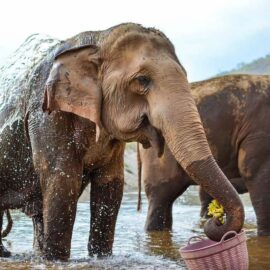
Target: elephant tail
<point>139,162</point>
<point>9,225</point>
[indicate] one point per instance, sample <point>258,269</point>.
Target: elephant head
<point>133,85</point>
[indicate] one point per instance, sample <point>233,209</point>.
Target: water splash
<point>15,74</point>
<point>133,248</point>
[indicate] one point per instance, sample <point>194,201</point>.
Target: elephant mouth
<point>153,138</point>
<point>145,143</point>
<point>149,137</point>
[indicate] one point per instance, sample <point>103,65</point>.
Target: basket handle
<point>194,237</point>
<point>226,235</point>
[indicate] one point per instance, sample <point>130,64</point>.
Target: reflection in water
<point>161,244</point>
<point>133,248</point>
<point>258,249</point>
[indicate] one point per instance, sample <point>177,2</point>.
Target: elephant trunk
<point>214,182</point>
<point>185,136</point>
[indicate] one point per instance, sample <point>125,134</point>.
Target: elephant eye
<point>144,81</point>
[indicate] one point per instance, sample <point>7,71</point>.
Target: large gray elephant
<point>101,89</point>
<point>234,110</point>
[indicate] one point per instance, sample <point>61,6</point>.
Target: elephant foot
<point>55,253</point>
<point>54,257</point>
<point>159,217</point>
<point>4,252</point>
<point>100,254</point>
<point>37,250</point>
<point>38,233</point>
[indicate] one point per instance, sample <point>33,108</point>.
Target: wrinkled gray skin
<point>101,89</point>
<point>234,110</point>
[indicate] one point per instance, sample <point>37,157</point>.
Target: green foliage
<point>258,66</point>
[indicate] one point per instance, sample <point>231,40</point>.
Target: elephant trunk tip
<point>214,230</point>
<point>215,183</point>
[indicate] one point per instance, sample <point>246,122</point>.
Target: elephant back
<point>16,75</point>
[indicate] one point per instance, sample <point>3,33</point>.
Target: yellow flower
<point>216,210</point>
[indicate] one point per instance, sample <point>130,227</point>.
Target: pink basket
<point>230,254</point>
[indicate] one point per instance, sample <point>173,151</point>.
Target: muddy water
<point>133,248</point>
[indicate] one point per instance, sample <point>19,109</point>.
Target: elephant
<point>234,111</point>
<point>69,121</point>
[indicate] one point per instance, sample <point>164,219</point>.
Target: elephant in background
<point>100,89</point>
<point>234,110</point>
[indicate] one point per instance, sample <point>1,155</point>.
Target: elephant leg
<point>106,196</point>
<point>85,181</point>
<point>60,195</point>
<point>3,251</point>
<point>254,164</point>
<point>38,233</point>
<point>259,189</point>
<point>33,210</point>
<point>161,196</point>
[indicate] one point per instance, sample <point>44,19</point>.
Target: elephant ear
<point>72,85</point>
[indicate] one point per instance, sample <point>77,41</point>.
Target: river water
<point>133,248</point>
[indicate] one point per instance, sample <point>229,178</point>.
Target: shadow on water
<point>133,248</point>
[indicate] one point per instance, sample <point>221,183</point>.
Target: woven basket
<point>230,254</point>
